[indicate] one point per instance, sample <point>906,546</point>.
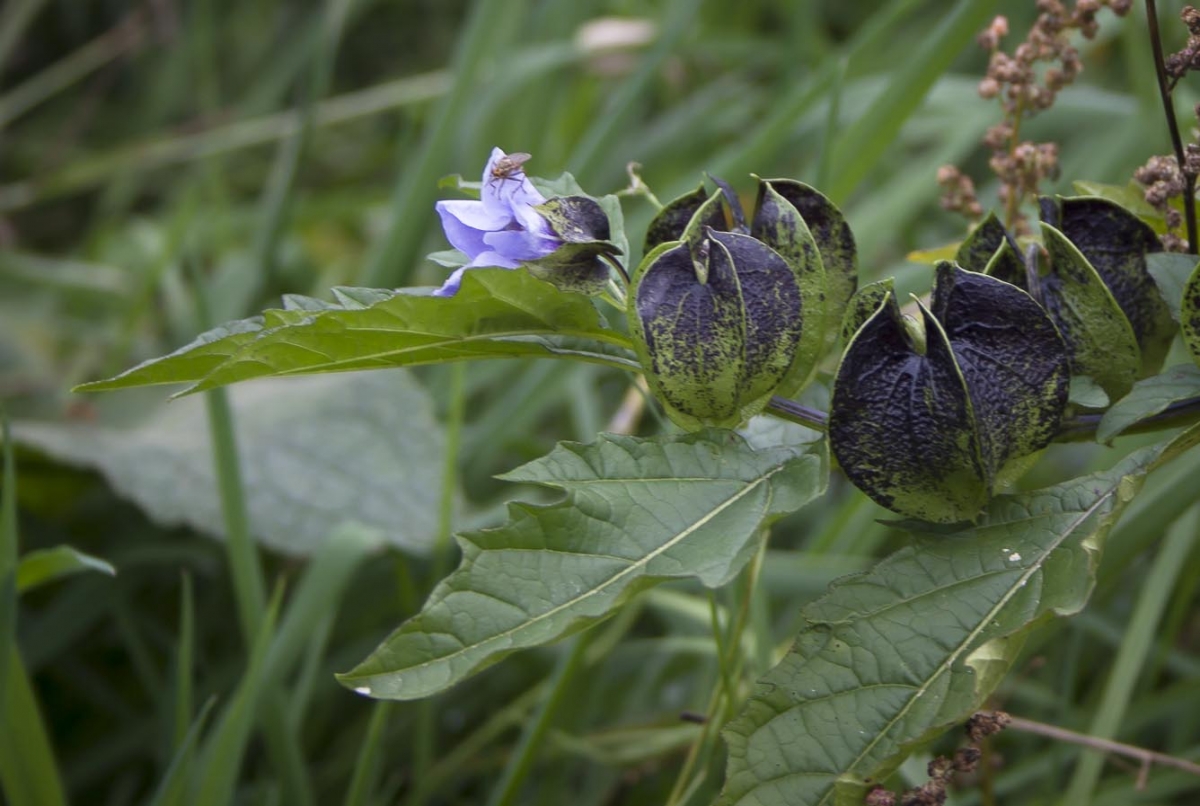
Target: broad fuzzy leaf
<point>1149,397</point>
<point>637,511</point>
<point>890,658</point>
<point>497,313</point>
<point>314,452</point>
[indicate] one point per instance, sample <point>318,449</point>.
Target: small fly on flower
<point>506,166</point>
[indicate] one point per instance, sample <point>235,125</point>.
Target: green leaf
<point>1100,339</point>
<point>891,658</point>
<point>1149,397</point>
<point>1171,271</point>
<point>314,452</point>
<point>1116,243</point>
<point>46,565</point>
<point>637,511</point>
<point>496,313</point>
<point>1189,314</point>
<point>1087,393</point>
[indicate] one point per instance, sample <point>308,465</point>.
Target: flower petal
<point>465,224</point>
<point>450,287</point>
<point>520,245</point>
<point>492,259</point>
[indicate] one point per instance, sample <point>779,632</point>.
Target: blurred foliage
<point>167,165</point>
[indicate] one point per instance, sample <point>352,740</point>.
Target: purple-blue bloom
<point>502,229</point>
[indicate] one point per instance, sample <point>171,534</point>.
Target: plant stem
<point>1164,91</point>
<point>522,758</point>
<point>793,412</point>
<point>1083,427</point>
<point>1146,757</point>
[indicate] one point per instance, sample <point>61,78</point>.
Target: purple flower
<point>503,228</point>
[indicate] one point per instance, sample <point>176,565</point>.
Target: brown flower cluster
<point>1027,81</point>
<point>941,770</point>
<point>1180,64</point>
<point>1164,181</point>
<point>1162,176</point>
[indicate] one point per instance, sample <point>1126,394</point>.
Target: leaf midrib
<point>974,634</point>
<point>595,590</point>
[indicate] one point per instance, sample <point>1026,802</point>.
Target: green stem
<point>367,764</point>
<point>521,760</point>
<point>425,747</point>
<point>1164,92</point>
<point>793,412</point>
<point>240,551</point>
<point>1083,427</point>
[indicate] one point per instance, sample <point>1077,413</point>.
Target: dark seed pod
<point>925,427</point>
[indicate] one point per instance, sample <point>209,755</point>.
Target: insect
<point>506,166</point>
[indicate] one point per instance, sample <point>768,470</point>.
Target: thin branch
<point>1164,91</point>
<point>793,412</point>
<point>1146,757</point>
<point>1083,427</point>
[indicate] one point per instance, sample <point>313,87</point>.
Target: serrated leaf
<point>46,565</point>
<point>1149,397</point>
<point>1171,271</point>
<point>496,313</point>
<point>637,511</point>
<point>890,658</point>
<point>315,452</point>
<point>1100,339</point>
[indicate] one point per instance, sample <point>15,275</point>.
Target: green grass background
<point>171,164</point>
